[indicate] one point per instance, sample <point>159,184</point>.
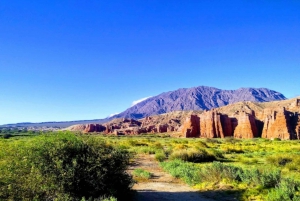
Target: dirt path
<point>162,186</point>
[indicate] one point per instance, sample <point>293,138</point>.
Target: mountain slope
<point>197,98</point>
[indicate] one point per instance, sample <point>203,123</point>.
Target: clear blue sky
<point>71,60</point>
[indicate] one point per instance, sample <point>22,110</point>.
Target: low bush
<point>265,178</point>
<point>160,156</point>
<point>7,135</point>
<point>218,171</point>
<point>279,160</point>
<point>180,169</point>
<point>140,173</point>
<point>287,190</point>
<point>193,155</point>
<point>62,167</point>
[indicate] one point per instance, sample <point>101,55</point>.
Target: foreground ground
<point>165,168</point>
<point>161,185</point>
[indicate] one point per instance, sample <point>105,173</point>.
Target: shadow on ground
<point>224,195</point>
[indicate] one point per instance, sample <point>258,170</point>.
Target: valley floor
<point>161,186</point>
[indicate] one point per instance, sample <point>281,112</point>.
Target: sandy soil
<point>162,186</point>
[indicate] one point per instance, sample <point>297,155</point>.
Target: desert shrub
<point>193,155</point>
<point>287,190</point>
<point>218,154</point>
<point>157,145</point>
<point>62,167</point>
<point>180,169</point>
<point>160,156</point>
<point>7,135</point>
<point>249,161</point>
<point>212,141</point>
<point>230,150</point>
<point>279,160</point>
<point>180,147</point>
<point>141,173</point>
<point>218,171</point>
<point>264,178</point>
<point>146,150</point>
<point>231,140</point>
<point>168,151</point>
<point>200,144</point>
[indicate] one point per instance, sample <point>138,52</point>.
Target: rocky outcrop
<point>209,124</point>
<point>246,126</point>
<point>215,125</point>
<point>279,119</point>
<point>94,128</point>
<point>278,125</point>
<point>191,126</point>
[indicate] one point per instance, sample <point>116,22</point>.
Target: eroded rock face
<point>191,126</point>
<point>215,125</point>
<point>79,127</point>
<point>246,126</point>
<point>280,119</point>
<point>210,125</point>
<point>94,128</point>
<point>278,125</point>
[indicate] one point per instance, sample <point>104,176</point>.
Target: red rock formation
<point>226,126</point>
<point>278,125</point>
<point>214,125</point>
<point>79,127</point>
<point>94,128</point>
<point>246,126</point>
<point>162,128</point>
<point>191,126</point>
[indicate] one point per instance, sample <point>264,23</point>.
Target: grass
<point>141,175</point>
<point>259,169</point>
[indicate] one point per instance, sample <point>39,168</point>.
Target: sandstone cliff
<point>278,119</point>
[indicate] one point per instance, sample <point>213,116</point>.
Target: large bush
<point>61,167</point>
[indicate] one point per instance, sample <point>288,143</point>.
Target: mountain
<point>185,99</point>
<point>197,98</point>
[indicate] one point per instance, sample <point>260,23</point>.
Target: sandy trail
<point>162,186</point>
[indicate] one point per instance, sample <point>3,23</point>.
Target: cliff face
<point>279,119</point>
<point>246,126</point>
<point>211,125</point>
<point>281,124</point>
<point>191,126</point>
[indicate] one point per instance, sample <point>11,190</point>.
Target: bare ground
<point>161,186</point>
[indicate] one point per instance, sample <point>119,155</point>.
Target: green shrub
<point>184,170</point>
<point>193,155</point>
<point>279,160</point>
<point>265,178</point>
<point>140,173</point>
<point>218,171</point>
<point>160,156</point>
<point>287,190</point>
<point>7,135</point>
<point>146,150</point>
<point>63,167</point>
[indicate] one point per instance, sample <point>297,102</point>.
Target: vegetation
<point>141,174</point>
<point>62,167</point>
<point>65,166</point>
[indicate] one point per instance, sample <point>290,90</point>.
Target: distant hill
<point>197,98</point>
<point>54,124</point>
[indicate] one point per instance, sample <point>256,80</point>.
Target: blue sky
<point>71,60</point>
